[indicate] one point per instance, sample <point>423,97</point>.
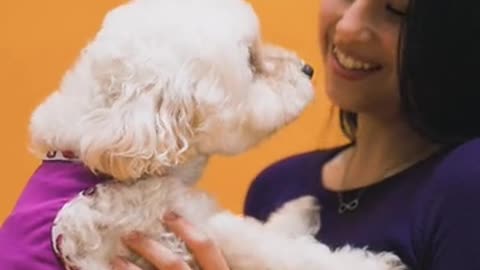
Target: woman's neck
<point>382,146</point>
<point>381,138</point>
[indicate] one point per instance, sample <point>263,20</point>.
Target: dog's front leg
<point>247,244</point>
<point>296,218</point>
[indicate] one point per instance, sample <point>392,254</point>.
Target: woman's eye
<point>396,11</point>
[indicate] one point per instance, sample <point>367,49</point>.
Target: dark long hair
<point>439,64</point>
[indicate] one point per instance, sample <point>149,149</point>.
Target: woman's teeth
<point>351,63</point>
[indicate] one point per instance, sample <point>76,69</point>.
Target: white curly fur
<point>157,78</point>
<point>162,86</point>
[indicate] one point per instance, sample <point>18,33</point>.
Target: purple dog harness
<point>25,236</point>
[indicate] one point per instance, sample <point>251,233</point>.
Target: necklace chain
<point>352,205</point>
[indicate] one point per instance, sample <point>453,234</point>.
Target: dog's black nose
<point>308,70</point>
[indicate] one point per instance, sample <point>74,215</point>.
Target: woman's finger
<point>207,254</point>
<point>121,264</point>
<point>161,257</point>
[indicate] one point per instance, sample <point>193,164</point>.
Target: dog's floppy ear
<point>144,125</point>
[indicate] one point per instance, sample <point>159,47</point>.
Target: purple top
<point>428,215</point>
<point>25,236</point>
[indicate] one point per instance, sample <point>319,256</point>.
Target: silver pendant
<point>350,206</point>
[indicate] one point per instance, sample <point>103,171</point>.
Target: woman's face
<point>359,41</point>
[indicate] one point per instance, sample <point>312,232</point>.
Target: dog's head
<point>165,81</point>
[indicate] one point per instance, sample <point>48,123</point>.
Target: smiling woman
<point>408,180</point>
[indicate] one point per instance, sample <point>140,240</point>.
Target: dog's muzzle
<point>308,70</point>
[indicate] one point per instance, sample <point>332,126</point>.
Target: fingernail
<point>118,263</point>
<point>132,237</point>
<point>170,216</point>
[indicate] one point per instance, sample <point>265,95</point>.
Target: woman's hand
<point>204,250</point>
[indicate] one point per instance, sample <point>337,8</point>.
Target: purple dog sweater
<point>25,236</point>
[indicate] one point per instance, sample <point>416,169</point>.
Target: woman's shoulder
<point>298,163</point>
<point>293,166</point>
<point>284,179</point>
<point>450,177</point>
<point>451,210</point>
<point>467,150</point>
<point>453,185</point>
<point>460,167</point>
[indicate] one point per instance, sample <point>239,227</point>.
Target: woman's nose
<point>354,24</point>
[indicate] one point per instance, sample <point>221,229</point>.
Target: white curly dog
<point>162,86</point>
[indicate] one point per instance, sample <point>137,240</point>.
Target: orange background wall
<point>39,40</point>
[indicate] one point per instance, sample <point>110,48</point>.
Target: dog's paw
<point>392,261</point>
<point>387,261</point>
<point>298,217</point>
<point>362,259</point>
